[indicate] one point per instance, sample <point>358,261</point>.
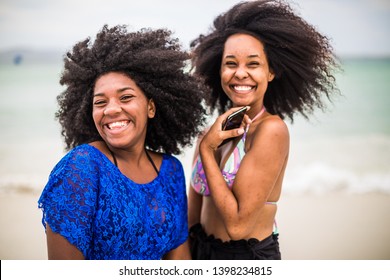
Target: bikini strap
<point>113,156</point>
<point>151,161</point>
<point>147,154</point>
<point>257,116</point>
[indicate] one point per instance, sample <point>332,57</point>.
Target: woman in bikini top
<point>258,53</point>
<point>229,170</point>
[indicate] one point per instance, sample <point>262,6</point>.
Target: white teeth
<point>117,124</point>
<point>242,88</point>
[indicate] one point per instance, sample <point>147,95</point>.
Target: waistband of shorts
<point>197,232</point>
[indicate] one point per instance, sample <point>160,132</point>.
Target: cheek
<point>96,117</point>
<point>224,86</point>
<point>226,76</point>
<point>226,73</point>
<point>261,77</point>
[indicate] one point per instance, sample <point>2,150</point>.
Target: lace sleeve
<point>69,199</point>
<point>177,176</point>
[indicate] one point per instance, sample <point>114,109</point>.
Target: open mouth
<point>117,125</point>
<point>242,88</point>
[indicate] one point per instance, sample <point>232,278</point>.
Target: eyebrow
<point>249,56</point>
<point>118,91</point>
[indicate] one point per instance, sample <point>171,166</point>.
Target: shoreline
<point>332,226</point>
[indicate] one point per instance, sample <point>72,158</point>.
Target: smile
<point>242,88</point>
<point>117,125</point>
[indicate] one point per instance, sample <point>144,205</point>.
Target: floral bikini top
<point>229,171</point>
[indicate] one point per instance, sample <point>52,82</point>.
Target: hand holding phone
<point>233,121</point>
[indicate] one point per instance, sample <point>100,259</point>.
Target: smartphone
<point>234,120</point>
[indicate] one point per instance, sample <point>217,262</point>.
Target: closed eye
<point>99,102</point>
<point>253,64</point>
<point>230,63</point>
<point>126,97</point>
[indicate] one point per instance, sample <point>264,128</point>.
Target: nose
<point>241,73</point>
<point>112,108</point>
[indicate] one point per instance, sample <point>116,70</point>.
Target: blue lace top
<point>106,215</point>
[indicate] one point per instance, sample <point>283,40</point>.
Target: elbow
<point>237,231</point>
<point>240,226</point>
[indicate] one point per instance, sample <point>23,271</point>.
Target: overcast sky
<point>356,27</point>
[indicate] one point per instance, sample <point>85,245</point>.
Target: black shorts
<point>205,247</point>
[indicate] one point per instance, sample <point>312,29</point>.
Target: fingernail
<point>240,131</point>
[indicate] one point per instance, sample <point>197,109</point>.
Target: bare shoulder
<point>272,130</point>
<point>272,124</point>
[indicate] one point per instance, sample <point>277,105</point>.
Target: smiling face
<point>121,110</point>
<point>245,73</point>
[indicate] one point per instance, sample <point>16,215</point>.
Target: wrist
<point>205,149</point>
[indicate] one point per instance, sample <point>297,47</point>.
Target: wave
<point>313,178</point>
<point>320,178</point>
<point>22,183</point>
<point>353,164</point>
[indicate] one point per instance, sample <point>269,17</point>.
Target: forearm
<point>223,198</point>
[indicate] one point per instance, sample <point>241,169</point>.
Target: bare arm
<point>59,248</point>
<point>195,200</point>
<point>180,253</point>
<point>255,180</point>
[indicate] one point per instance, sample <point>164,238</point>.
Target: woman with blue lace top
<point>128,105</point>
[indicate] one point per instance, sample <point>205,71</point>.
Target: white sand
<point>321,227</point>
<point>335,227</point>
<point>22,236</point>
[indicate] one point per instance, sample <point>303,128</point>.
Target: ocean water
<point>346,148</point>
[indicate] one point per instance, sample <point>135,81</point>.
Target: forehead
<point>113,77</point>
<point>115,81</point>
<point>243,44</point>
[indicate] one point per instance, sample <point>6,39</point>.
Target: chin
<point>240,103</point>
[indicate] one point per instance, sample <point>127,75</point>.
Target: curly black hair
<point>155,61</point>
<point>301,58</point>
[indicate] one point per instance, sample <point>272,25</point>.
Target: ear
<point>271,76</point>
<point>151,109</point>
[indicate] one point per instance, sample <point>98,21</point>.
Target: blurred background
<point>336,199</point>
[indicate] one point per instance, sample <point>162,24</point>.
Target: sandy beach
<point>334,226</point>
